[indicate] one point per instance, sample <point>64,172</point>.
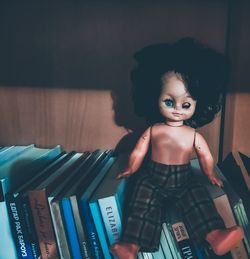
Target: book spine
<point>111,218</point>
<point>43,223</point>
<point>30,227</point>
<point>7,244</point>
<point>87,218</point>
<point>158,254</point>
<point>70,228</point>
<point>86,213</point>
<point>96,214</point>
<point>165,245</point>
<point>171,241</point>
<point>183,240</point>
<point>61,238</point>
<point>82,237</point>
<point>18,227</point>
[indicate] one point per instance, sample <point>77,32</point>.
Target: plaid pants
<point>147,205</point>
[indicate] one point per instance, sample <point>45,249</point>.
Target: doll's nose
<point>177,107</point>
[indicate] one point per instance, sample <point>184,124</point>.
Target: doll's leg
<point>142,227</point>
<point>204,222</point>
<point>199,211</point>
<point>223,241</point>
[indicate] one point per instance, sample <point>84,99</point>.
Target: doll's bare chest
<point>165,140</point>
<point>173,145</point>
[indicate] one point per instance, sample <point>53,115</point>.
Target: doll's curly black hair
<point>204,72</point>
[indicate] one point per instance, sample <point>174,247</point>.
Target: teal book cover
<point>14,173</point>
<point>106,205</point>
<point>85,211</point>
<point>74,225</point>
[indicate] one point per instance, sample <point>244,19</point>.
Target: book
<point>73,214</point>
<point>85,212</point>
<point>20,198</point>
<point>38,200</point>
<point>16,212</point>
<point>4,149</point>
<point>12,176</point>
<point>57,217</point>
<point>172,248</point>
<point>10,152</point>
<point>185,244</point>
<point>67,231</point>
<point>106,205</point>
<point>163,251</point>
<point>110,195</point>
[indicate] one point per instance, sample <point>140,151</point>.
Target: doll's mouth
<point>176,114</point>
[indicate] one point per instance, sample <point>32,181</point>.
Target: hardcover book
<point>73,199</point>
<point>38,199</point>
<point>78,248</point>
<point>17,211</point>
<point>85,212</point>
<point>106,205</point>
<point>14,173</point>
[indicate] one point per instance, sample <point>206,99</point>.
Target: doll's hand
<point>215,180</point>
<point>125,174</point>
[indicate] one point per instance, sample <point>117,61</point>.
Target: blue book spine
<point>71,228</point>
<point>86,213</point>
<point>97,218</point>
<point>91,230</point>
<point>23,246</point>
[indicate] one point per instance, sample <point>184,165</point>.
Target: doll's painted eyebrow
<point>189,96</point>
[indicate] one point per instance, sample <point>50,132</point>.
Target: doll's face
<point>175,102</point>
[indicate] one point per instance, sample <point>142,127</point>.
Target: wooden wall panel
<point>76,119</point>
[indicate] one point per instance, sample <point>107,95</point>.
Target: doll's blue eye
<point>169,103</point>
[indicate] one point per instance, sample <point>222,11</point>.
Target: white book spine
<point>7,245</point>
<point>111,218</point>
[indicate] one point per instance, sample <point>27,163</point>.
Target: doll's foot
<point>222,241</point>
<point>124,250</point>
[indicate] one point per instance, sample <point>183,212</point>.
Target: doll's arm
<point>205,159</point>
<point>137,155</point>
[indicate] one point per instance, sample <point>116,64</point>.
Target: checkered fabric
<point>148,202</point>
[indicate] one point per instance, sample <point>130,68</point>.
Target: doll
<point>183,84</point>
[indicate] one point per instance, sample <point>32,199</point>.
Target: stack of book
<point>56,204</point>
